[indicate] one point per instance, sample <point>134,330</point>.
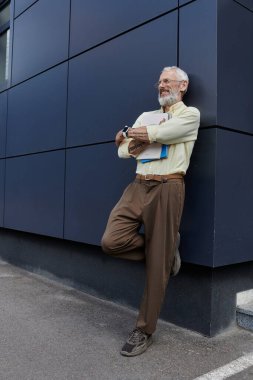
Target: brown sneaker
<point>177,260</point>
<point>137,342</point>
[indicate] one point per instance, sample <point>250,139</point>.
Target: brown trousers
<point>158,206</point>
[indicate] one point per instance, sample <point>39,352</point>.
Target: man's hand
<point>138,134</point>
<point>119,138</point>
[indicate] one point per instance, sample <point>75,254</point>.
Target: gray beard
<point>168,100</point>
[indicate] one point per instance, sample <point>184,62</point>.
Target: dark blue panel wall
<point>111,85</point>
<point>245,3</point>
<point>235,65</point>
<point>108,87</point>
<point>198,55</point>
<point>37,113</point>
<point>21,5</point>
<point>3,115</point>
<point>197,228</point>
<point>233,205</point>
<point>41,37</point>
<point>2,173</point>
<point>95,178</point>
<point>34,196</point>
<point>183,2</point>
<point>217,221</point>
<point>96,21</point>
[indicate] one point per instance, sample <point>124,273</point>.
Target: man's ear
<point>183,86</point>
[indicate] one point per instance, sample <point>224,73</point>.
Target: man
<point>155,199</point>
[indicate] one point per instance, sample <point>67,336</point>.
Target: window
<point>4,40</point>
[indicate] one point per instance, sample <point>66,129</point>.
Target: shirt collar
<point>175,106</point>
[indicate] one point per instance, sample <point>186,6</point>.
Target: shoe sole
<point>176,265</point>
<point>177,261</point>
<point>139,351</point>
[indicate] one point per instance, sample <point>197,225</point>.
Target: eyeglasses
<point>166,81</point>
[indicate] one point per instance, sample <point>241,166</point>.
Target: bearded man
<point>155,199</point>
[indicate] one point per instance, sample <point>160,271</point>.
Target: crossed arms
<point>178,129</point>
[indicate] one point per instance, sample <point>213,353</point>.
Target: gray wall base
<point>244,320</point>
<point>244,316</point>
<point>199,298</point>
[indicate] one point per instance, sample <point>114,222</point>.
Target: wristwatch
<point>124,131</point>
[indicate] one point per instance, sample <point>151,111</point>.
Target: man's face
<point>170,87</point>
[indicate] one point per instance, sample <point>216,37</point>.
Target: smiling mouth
<point>164,93</point>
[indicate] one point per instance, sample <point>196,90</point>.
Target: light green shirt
<point>179,132</point>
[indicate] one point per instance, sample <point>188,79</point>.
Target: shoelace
<point>135,336</point>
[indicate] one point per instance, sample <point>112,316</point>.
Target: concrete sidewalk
<point>52,332</point>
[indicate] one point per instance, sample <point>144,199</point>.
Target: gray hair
<point>181,73</point>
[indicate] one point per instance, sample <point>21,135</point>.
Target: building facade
<point>72,73</point>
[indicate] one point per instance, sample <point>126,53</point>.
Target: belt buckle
<point>146,177</point>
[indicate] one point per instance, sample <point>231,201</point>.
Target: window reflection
<point>5,15</point>
<point>4,42</point>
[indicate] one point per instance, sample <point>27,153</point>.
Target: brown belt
<point>160,178</point>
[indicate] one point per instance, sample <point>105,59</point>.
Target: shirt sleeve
<point>123,148</point>
<point>178,129</point>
